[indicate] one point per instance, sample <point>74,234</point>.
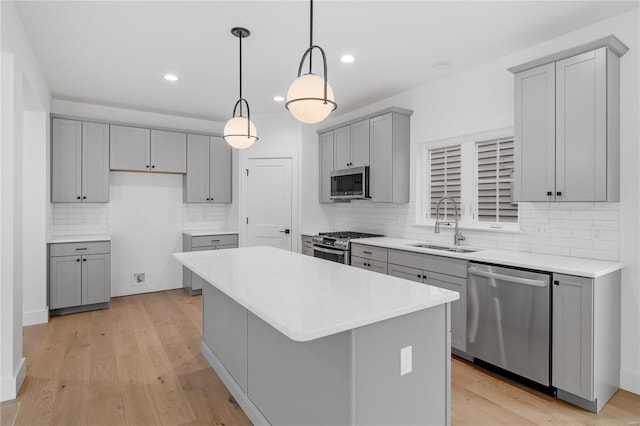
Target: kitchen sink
<point>443,248</point>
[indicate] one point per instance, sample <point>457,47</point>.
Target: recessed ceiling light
<point>170,77</point>
<point>441,65</point>
<point>278,98</point>
<point>347,59</point>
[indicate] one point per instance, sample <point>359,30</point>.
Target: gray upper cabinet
<point>389,172</point>
<point>342,148</point>
<point>535,134</point>
<point>79,161</point>
<point>143,150</point>
<point>352,146</point>
<point>208,178</point>
<point>380,141</point>
<point>567,125</point>
<point>326,166</point>
<point>168,152</point>
<point>130,148</point>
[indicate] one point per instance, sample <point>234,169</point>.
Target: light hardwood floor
<point>139,363</point>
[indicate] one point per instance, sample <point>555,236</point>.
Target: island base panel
<point>351,377</point>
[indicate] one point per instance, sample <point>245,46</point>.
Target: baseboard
<point>630,381</point>
<point>10,386</point>
<point>40,316</point>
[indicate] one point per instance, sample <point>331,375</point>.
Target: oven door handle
<point>330,251</point>
<point>509,278</point>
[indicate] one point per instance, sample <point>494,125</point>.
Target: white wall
<point>34,217</point>
<point>22,88</point>
<point>481,99</point>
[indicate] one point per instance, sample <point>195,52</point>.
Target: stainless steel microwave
<point>350,184</point>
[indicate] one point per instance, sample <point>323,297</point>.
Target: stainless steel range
<point>335,246</point>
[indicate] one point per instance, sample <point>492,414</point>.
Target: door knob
<point>286,231</point>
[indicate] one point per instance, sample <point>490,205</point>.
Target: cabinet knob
<point>153,167</point>
<point>559,193</point>
<point>556,283</point>
<point>147,166</point>
<point>84,197</point>
<point>84,260</point>
<point>549,193</point>
<point>77,260</point>
<point>78,198</point>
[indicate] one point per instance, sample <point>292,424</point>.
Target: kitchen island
<point>299,340</point>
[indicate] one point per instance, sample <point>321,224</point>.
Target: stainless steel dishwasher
<point>508,320</point>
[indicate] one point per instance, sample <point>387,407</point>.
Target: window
<point>477,172</point>
<point>445,179</point>
<point>494,190</point>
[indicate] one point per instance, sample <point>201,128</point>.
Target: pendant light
<point>310,98</point>
<point>240,132</point>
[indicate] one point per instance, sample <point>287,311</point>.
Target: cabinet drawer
<point>71,249</point>
<point>407,273</point>
<point>307,242</point>
<point>428,262</point>
<point>370,265</point>
<point>307,251</point>
<point>214,240</point>
<point>369,252</point>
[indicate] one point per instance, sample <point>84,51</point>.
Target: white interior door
<point>269,202</point>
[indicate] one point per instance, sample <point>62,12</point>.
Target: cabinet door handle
<point>81,248</point>
<point>366,252</point>
<point>215,241</point>
<point>549,193</point>
<point>559,193</point>
<point>556,283</point>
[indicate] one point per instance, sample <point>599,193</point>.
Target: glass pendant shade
<point>305,99</point>
<point>235,133</point>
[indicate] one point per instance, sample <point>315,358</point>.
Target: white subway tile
<point>560,251</point>
<point>595,254</point>
<point>595,215</point>
<point>571,206</point>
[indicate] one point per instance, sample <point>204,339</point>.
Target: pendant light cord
<point>310,35</point>
<point>240,37</point>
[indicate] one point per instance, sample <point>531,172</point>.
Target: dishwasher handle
<point>509,278</point>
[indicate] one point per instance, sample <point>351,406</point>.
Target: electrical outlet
<point>596,233</point>
<point>542,230</point>
<point>406,363</point>
<point>138,279</point>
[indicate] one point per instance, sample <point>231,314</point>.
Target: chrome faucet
<point>457,235</point>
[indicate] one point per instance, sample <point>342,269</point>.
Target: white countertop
<point>203,232</point>
<point>79,239</point>
<point>306,298</point>
<point>589,268</point>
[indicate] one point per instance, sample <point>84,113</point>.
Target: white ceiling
<point>116,53</point>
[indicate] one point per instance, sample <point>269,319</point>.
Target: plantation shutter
<point>445,166</point>
<point>495,181</point>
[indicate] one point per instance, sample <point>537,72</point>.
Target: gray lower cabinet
<point>307,245</point>
<point>586,339</point>
<point>79,277</point>
<point>79,161</point>
<point>143,150</point>
<point>192,283</point>
<point>208,177</point>
<point>438,271</point>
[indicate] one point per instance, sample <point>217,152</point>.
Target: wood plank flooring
<point>139,363</point>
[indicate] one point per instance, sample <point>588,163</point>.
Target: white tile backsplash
<point>73,219</point>
<point>204,216</point>
<point>589,230</point>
